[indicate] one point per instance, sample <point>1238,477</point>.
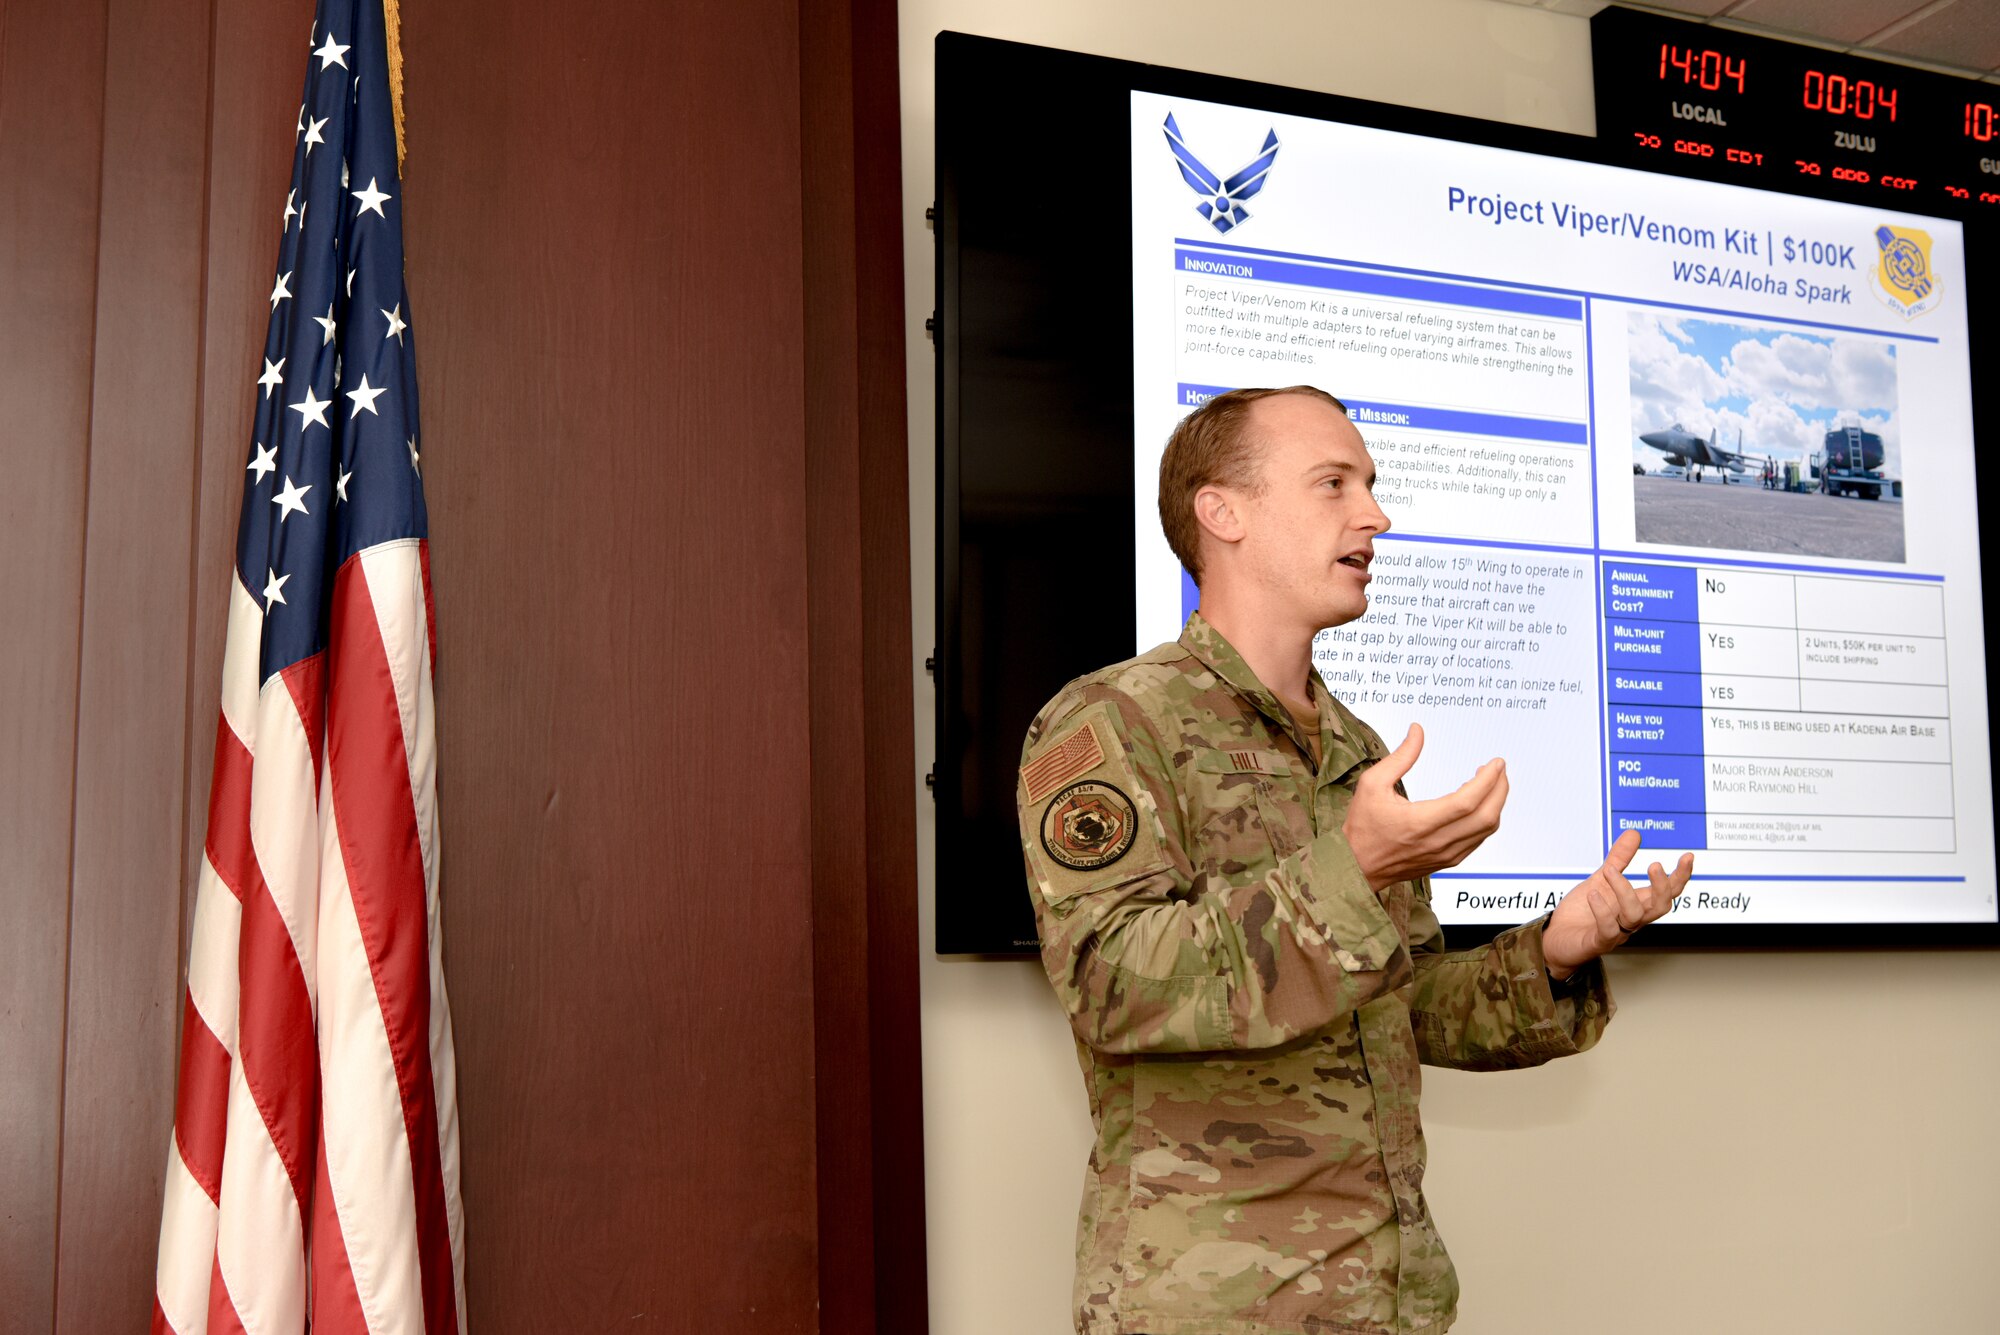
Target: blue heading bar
<point>1258,269</point>
<point>1428,419</point>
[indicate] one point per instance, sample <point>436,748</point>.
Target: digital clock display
<point>1838,95</point>
<point>1699,67</point>
<point>1701,100</point>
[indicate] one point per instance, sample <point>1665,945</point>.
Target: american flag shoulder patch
<point>1077,754</point>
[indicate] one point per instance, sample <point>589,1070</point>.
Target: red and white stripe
<point>315,1151</point>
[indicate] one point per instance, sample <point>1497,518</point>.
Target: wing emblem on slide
<point>1903,277</point>
<point>1222,199</point>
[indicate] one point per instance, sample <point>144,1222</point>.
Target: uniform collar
<point>1206,643</point>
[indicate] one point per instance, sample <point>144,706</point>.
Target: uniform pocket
<point>1239,809</point>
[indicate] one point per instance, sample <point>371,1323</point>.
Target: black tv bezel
<point>1001,108</point>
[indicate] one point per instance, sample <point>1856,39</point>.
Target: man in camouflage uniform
<point>1233,899</point>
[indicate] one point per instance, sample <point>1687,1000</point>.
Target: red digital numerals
<point>1708,70</point>
<point>1838,95</point>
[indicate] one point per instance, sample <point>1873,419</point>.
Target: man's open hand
<point>1395,839</point>
<point>1601,913</point>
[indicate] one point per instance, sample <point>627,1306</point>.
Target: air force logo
<point>1902,277</point>
<point>1222,200</point>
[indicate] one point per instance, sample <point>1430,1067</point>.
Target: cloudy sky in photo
<point>1782,389</point>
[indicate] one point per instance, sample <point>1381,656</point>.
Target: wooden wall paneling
<point>829,462</point>
<point>894,784</point>
<point>120,1049</point>
<point>603,222</point>
<point>870,1155</point>
<point>51,130</point>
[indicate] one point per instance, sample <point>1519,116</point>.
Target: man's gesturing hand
<point>1600,914</point>
<point>1395,839</point>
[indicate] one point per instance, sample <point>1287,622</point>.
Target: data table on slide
<point>1751,709</point>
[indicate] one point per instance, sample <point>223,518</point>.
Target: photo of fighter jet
<point>1808,417</point>
<point>1692,453</point>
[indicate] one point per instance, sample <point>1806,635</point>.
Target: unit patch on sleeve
<point>1075,755</point>
<point>1089,825</point>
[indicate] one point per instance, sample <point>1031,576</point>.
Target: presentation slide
<point>1681,478</point>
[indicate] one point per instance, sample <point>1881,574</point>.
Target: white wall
<point>1763,1142</point>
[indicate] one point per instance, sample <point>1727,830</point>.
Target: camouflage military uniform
<point>1250,1015</point>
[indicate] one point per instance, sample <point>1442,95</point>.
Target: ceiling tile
<point>1843,21</point>
<point>1692,8</point>
<point>1729,24</point>
<point>1965,33</point>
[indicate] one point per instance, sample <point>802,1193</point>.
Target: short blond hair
<point>1212,445</point>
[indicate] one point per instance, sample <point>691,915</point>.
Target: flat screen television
<point>1683,480</point>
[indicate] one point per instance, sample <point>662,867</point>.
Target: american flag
<point>313,1174</point>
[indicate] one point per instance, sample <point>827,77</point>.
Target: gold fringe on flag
<point>393,23</point>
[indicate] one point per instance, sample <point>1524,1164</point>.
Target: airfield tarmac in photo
<point>1744,516</point>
